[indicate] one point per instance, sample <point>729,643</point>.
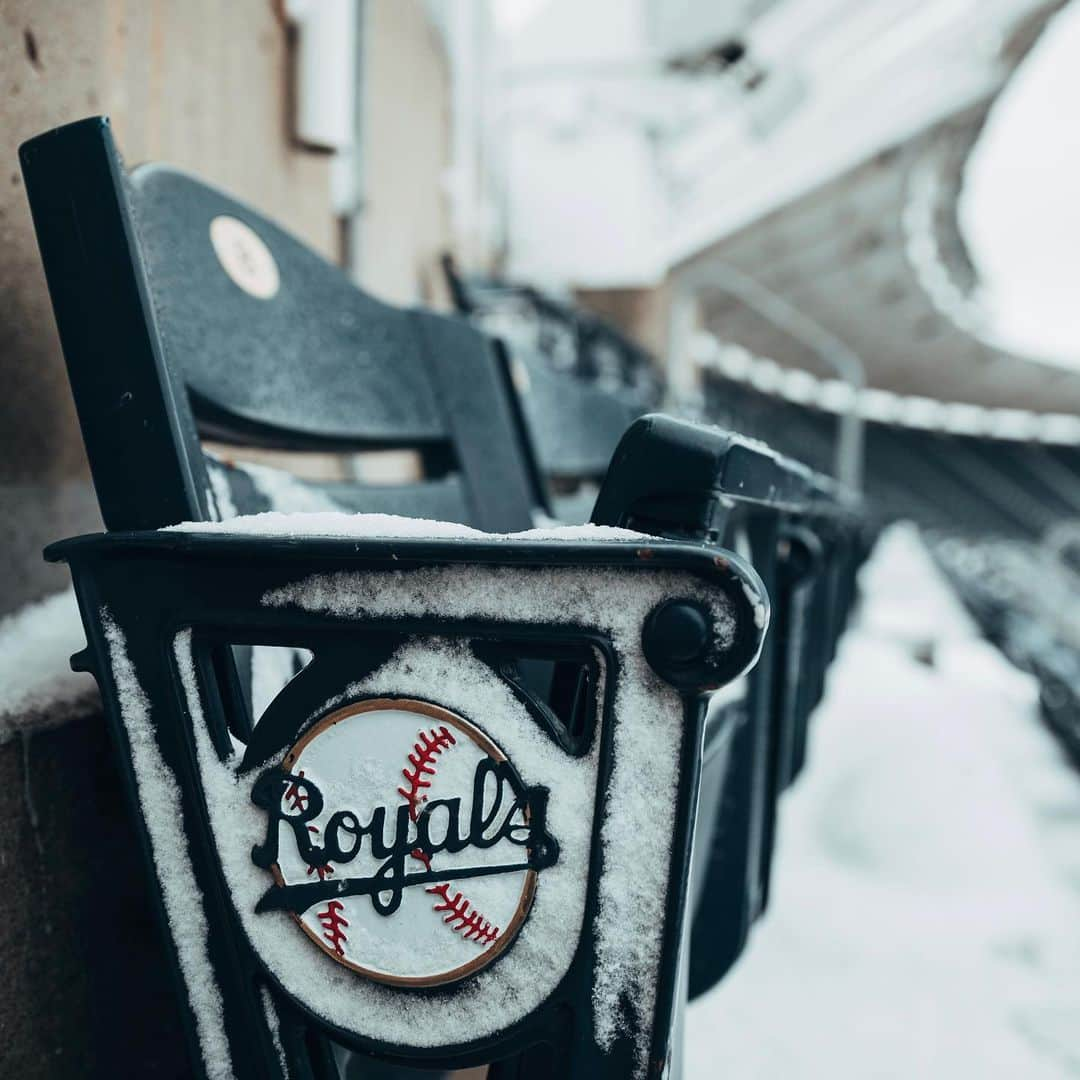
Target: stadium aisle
<point>925,919</point>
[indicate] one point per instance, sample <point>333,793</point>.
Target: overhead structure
<point>860,230</point>
<point>816,147</point>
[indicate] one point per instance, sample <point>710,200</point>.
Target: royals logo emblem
<point>402,841</point>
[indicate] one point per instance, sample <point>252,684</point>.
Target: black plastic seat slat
<point>318,358</point>
<point>160,340</point>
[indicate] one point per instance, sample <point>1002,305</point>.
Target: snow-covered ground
<point>925,916</point>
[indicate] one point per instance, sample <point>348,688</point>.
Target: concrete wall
<point>405,221</point>
<point>199,84</point>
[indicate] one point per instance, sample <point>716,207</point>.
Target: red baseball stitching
<point>298,801</point>
<point>426,748</point>
<point>459,914</point>
<point>474,925</point>
<point>332,922</point>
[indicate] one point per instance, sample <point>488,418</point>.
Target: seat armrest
<point>672,477</point>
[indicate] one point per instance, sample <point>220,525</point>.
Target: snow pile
<point>331,523</point>
<point>906,598</point>
<point>925,917</point>
<point>390,526</point>
<point>38,689</point>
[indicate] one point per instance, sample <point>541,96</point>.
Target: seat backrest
<point>181,311</point>
<point>580,382</point>
<point>575,425</point>
<point>569,337</point>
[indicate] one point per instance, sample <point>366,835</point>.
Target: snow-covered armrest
<point>675,478</point>
<point>463,826</point>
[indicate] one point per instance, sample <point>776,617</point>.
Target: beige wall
<point>640,313</point>
<point>199,84</point>
<point>405,223</point>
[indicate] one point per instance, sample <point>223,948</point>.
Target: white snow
<point>338,523</point>
<point>905,598</point>
<point>285,491</point>
<point>160,802</point>
<point>281,488</point>
<point>273,1025</point>
<point>38,689</point>
<point>925,916</point>
<point>1018,207</point>
<point>271,668</point>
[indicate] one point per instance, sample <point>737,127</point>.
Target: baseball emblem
<point>402,841</point>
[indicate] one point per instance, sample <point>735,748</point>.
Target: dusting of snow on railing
<point>732,361</point>
<point>393,527</point>
<point>159,799</point>
<point>273,1025</point>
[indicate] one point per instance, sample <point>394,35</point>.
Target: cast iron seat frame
<point>798,530</point>
<point>147,590</point>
